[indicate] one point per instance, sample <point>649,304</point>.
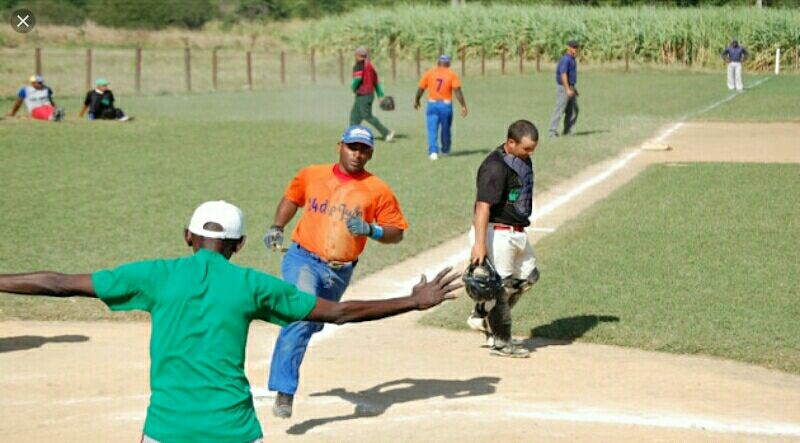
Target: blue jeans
<point>310,274</point>
<point>439,114</point>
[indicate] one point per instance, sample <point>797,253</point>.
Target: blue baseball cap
<point>444,58</point>
<point>358,134</point>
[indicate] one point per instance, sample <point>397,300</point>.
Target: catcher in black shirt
<point>503,207</point>
<point>100,103</point>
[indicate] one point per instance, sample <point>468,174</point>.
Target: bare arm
<point>391,235</point>
<point>16,106</point>
<point>481,223</point>
<point>285,212</point>
<point>48,283</point>
<point>461,101</point>
<point>418,97</point>
<point>425,295</point>
<point>565,83</point>
<point>84,108</point>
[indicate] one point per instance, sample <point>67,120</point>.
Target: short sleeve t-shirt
<point>328,198</point>
<point>500,186</point>
<point>567,65</point>
<point>440,82</point>
<point>99,101</point>
<point>368,75</point>
<point>34,98</point>
<point>201,308</point>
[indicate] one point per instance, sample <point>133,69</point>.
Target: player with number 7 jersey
<point>441,83</point>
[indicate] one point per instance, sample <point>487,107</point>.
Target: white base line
<point>402,288</point>
<point>662,420</point>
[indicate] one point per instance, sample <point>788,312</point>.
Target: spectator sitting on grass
<point>38,98</point>
<point>100,103</point>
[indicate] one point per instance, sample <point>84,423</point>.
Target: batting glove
<point>358,227</point>
<point>273,239</point>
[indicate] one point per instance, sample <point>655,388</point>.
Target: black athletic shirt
<point>499,186</point>
<point>99,102</point>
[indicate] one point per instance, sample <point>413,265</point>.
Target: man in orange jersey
<point>441,82</point>
<point>343,205</point>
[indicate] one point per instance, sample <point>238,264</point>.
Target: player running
<point>38,98</point>
<point>343,205</point>
<point>201,307</point>
<point>441,82</point>
<point>503,207</point>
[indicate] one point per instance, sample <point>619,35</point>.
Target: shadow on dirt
<point>25,342</point>
<point>564,331</point>
<point>375,401</point>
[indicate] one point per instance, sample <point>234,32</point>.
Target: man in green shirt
<point>201,307</point>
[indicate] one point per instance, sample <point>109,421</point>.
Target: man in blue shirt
<point>735,54</point>
<point>566,94</point>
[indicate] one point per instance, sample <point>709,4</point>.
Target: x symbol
<point>23,21</point>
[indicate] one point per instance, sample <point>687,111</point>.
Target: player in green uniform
<point>201,307</point>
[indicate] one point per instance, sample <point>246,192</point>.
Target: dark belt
<point>500,227</point>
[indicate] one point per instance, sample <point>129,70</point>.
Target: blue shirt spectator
<point>734,52</point>
<point>570,66</point>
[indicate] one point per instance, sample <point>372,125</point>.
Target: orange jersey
<point>329,197</point>
<point>439,82</point>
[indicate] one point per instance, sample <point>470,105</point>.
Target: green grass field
<point>689,259</point>
<point>79,196</point>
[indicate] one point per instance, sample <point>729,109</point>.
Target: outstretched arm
<point>52,284</point>
<point>425,295</point>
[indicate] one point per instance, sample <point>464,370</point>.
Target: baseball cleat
<point>283,405</point>
<point>434,156</point>
<point>510,350</point>
<point>390,136</point>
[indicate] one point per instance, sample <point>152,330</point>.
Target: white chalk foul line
<point>660,420</point>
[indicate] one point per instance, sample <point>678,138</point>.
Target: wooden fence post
<point>419,62</point>
<point>627,59</point>
<point>393,55</point>
<point>214,67</point>
<point>483,61</point>
<point>463,62</point>
<point>283,67</point>
<point>538,58</point>
<point>38,61</point>
<point>341,67</point>
<point>503,62</point>
<point>521,57</point>
<point>796,61</point>
<point>249,71</point>
<point>187,68</point>
<point>88,69</point>
<point>137,80</point>
<point>313,65</point>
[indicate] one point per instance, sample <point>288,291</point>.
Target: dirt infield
<point>397,381</point>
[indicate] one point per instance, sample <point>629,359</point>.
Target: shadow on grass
<point>25,342</point>
<point>580,133</point>
<point>467,152</point>
<point>376,400</point>
<point>564,331</point>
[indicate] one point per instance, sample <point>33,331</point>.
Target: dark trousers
<point>362,110</point>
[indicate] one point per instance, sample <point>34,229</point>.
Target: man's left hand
<point>358,227</point>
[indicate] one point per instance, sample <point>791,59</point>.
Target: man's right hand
<point>429,294</point>
<point>570,92</point>
<point>273,239</point>
<point>478,254</point>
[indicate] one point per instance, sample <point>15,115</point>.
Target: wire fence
<point>71,71</point>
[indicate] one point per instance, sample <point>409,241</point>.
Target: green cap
<point>101,81</point>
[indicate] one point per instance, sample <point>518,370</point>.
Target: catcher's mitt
<point>482,282</point>
<point>387,103</point>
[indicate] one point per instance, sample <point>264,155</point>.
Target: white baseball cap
<point>222,213</point>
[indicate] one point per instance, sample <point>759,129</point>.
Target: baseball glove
<point>482,282</point>
<point>387,103</point>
